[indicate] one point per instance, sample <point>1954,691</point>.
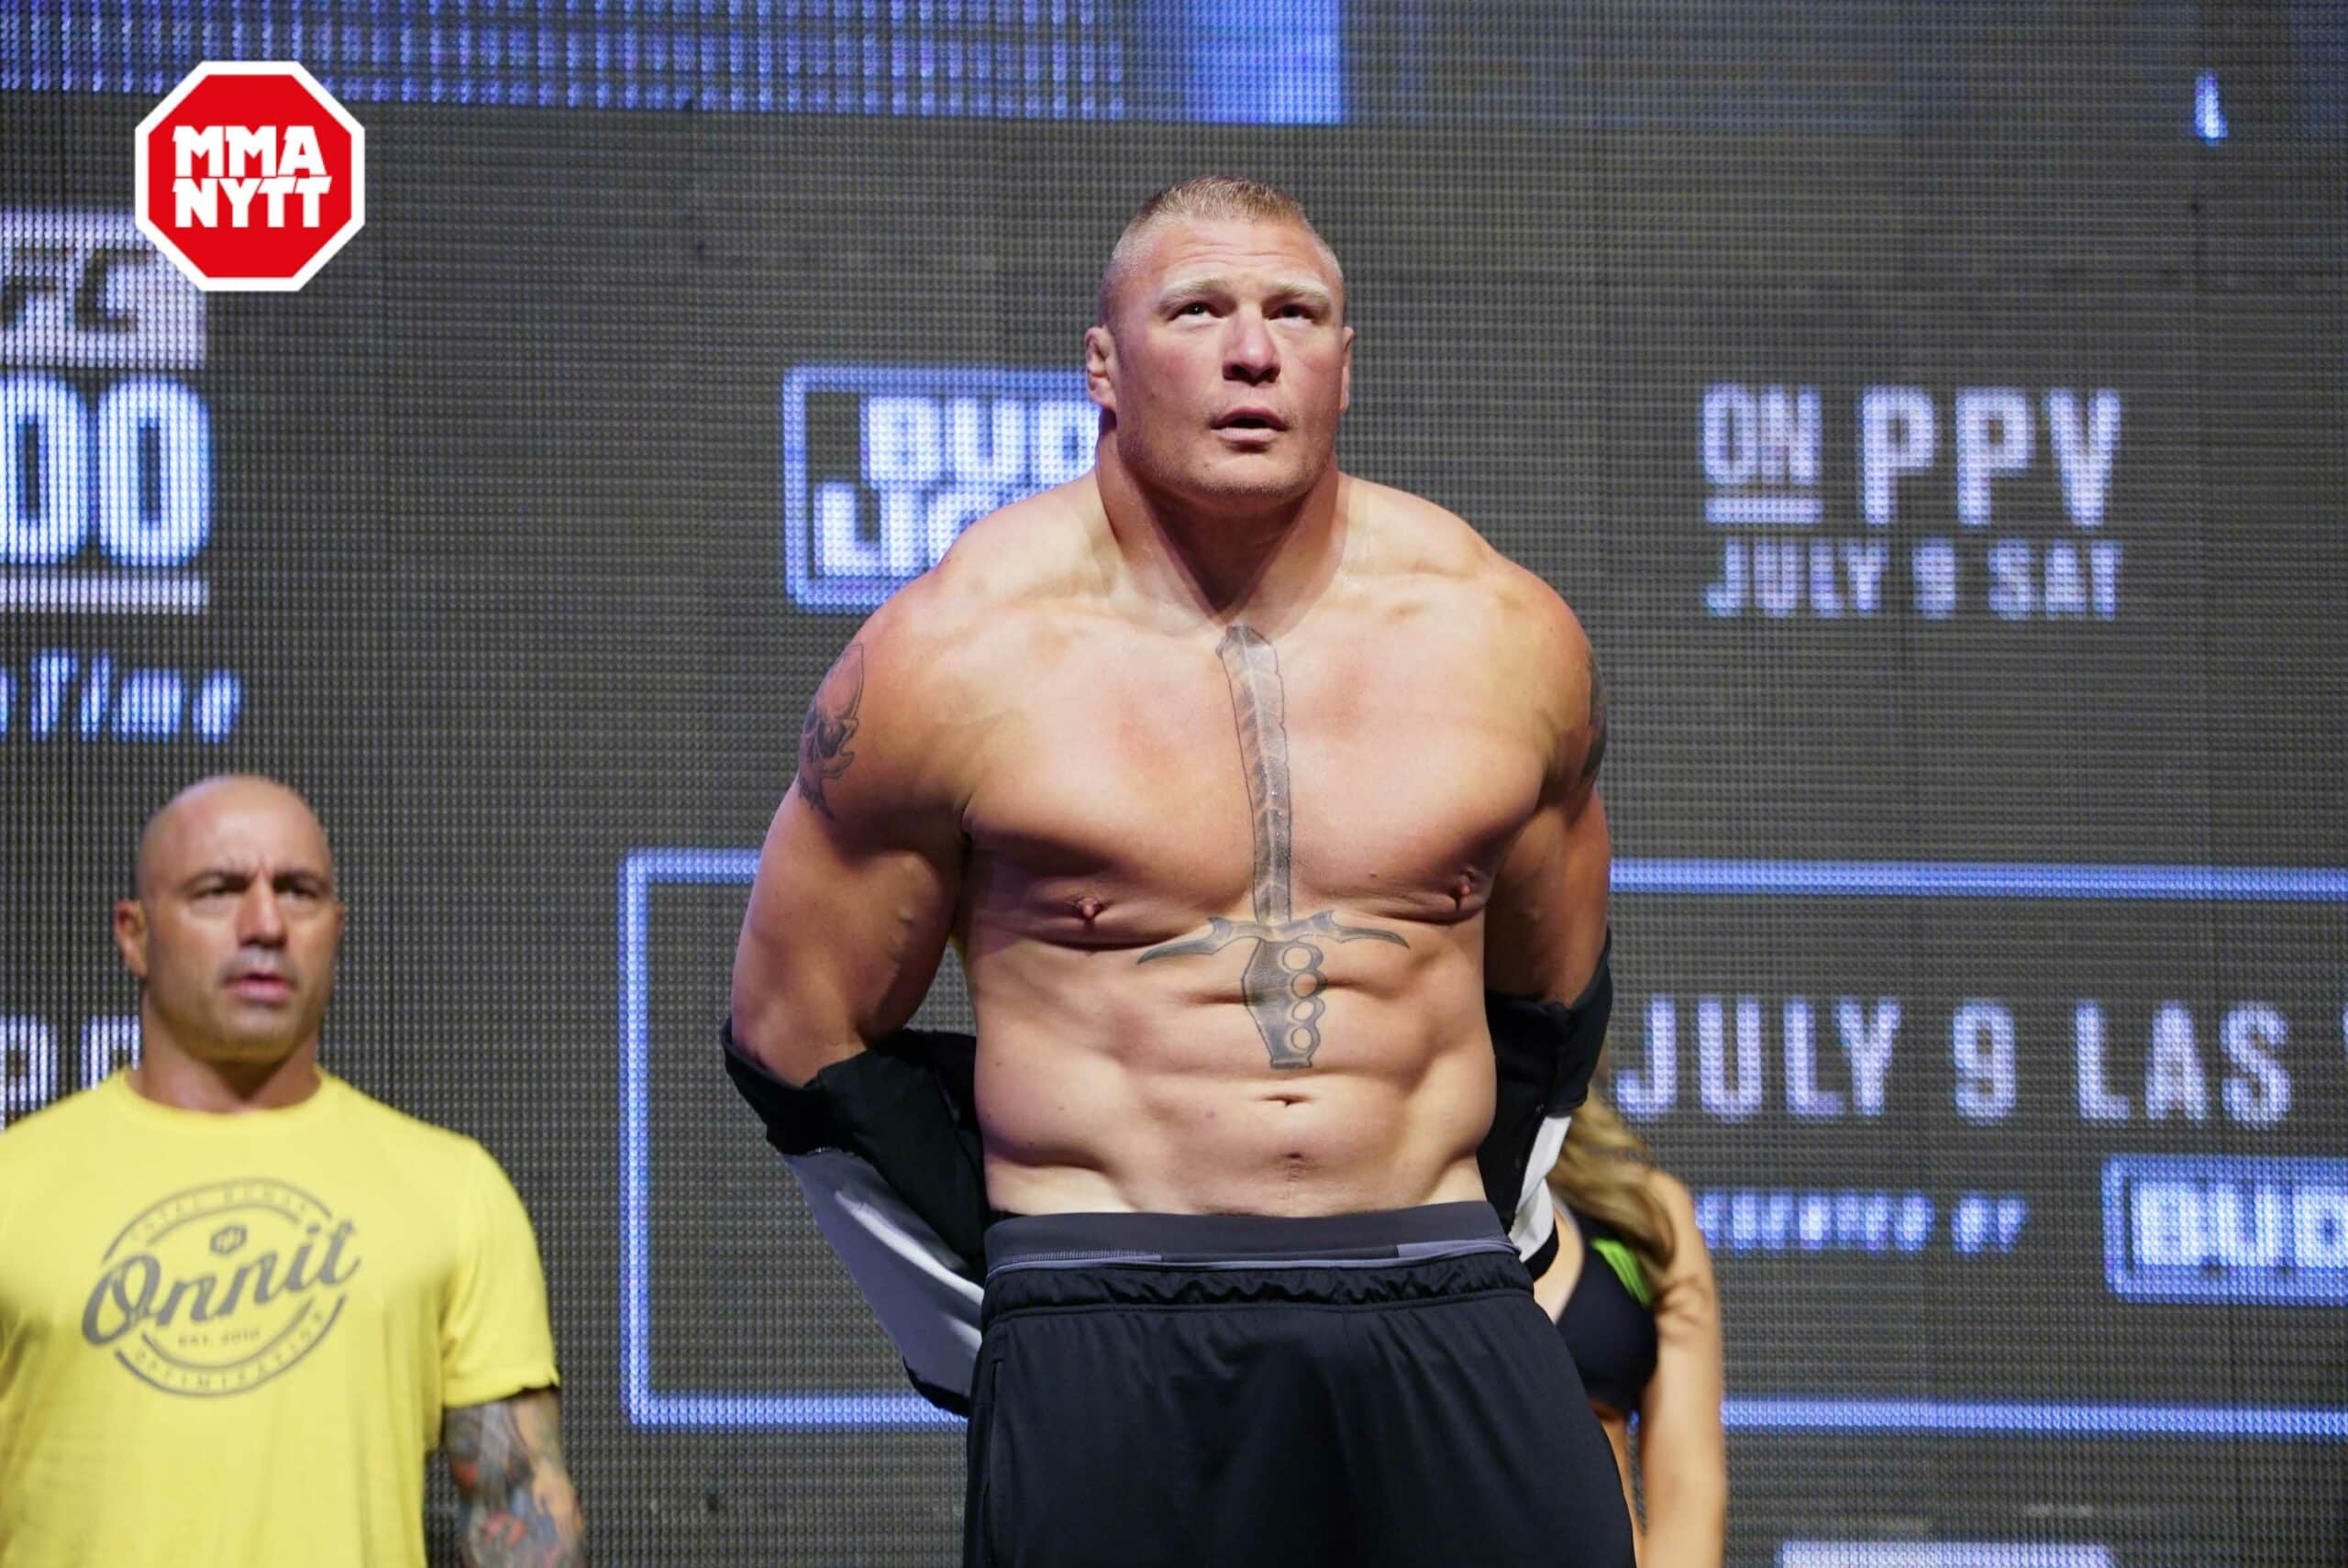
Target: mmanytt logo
<point>217,1290</point>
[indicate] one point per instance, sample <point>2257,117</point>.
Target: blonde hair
<point>1206,198</point>
<point>1602,1172</point>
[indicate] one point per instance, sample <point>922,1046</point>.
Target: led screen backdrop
<point>1936,421</point>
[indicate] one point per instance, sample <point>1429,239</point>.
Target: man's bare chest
<point>1137,791</point>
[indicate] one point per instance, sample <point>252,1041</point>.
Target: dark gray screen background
<point>497,548</point>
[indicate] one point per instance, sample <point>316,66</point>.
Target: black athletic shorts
<point>1222,1391</point>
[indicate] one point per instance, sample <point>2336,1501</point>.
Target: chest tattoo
<point>1281,983</point>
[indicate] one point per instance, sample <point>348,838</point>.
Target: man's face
<point>1225,363</point>
<point>235,927</point>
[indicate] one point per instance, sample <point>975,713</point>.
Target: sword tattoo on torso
<point>1282,982</point>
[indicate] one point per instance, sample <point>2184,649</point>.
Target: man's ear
<point>1100,359</point>
<point>130,934</point>
<point>1345,375</point>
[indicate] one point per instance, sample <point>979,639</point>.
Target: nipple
<point>1463,888</point>
<point>1088,908</point>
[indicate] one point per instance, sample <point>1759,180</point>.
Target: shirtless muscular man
<point>1259,801</point>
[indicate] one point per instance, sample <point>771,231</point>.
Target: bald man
<point>239,1300</point>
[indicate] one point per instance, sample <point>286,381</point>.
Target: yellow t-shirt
<point>229,1339</point>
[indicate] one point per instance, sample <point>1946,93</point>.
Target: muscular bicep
<point>1546,926</point>
<point>520,1506</point>
<point>1683,1452</point>
<point>856,885</point>
<point>839,945</point>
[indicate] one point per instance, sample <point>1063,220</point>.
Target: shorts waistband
<point>1246,1241</point>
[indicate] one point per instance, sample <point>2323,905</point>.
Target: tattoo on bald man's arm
<point>520,1507</point>
<point>1282,982</point>
<point>829,725</point>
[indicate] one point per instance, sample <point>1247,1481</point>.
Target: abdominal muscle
<point>1108,1086</point>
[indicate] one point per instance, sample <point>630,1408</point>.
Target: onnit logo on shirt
<point>219,1288</point>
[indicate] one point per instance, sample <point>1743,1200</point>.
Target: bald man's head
<point>189,819</point>
<point>235,922</point>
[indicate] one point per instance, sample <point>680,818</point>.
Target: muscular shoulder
<point>1525,631</point>
<point>1541,642</point>
<point>1039,551</point>
<point>911,695</point>
<point>1399,533</point>
<point>1554,651</point>
<point>1411,536</point>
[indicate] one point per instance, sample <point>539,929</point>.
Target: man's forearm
<point>520,1507</point>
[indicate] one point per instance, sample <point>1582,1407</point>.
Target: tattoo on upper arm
<point>1281,984</point>
<point>521,1510</point>
<point>1597,732</point>
<point>829,725</point>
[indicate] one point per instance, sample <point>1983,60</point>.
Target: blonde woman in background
<point>1632,1292</point>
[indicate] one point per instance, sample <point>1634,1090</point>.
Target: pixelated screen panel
<point>1934,420</point>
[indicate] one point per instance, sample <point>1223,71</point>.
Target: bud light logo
<point>884,466</point>
<point>2226,1228</point>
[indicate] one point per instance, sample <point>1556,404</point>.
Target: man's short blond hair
<point>1208,198</point>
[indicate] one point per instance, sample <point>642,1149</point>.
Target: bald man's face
<point>236,923</point>
<point>1227,362</point>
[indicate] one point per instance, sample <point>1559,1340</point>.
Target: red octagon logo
<point>250,175</point>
